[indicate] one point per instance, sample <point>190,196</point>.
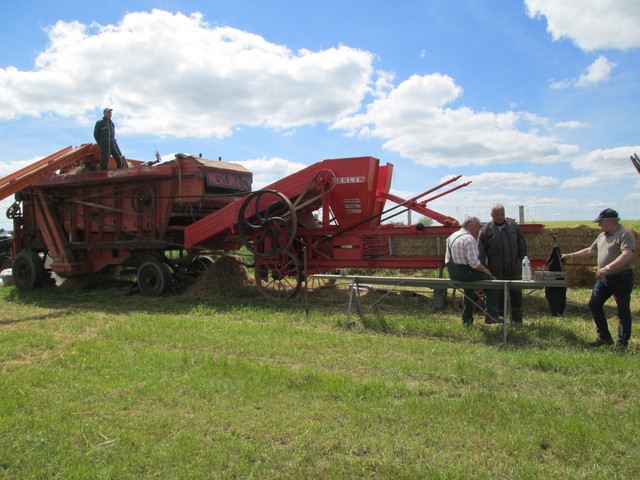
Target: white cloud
<point>172,74</point>
<point>8,168</point>
<point>267,170</point>
<point>597,72</point>
<point>605,167</point>
<point>479,202</point>
<point>415,123</point>
<point>591,24</point>
<point>507,181</point>
<point>560,84</point>
<point>571,124</point>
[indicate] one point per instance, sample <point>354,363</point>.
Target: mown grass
<point>96,384</point>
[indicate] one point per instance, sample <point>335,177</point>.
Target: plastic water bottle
<point>526,269</point>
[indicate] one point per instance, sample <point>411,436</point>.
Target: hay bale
<point>539,246</point>
<point>572,239</point>
<point>422,246</point>
<point>225,277</point>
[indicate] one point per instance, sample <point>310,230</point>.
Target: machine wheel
<point>199,265</point>
<point>28,270</point>
<point>154,278</point>
<point>143,199</point>
<point>267,223</point>
<point>325,181</point>
<point>279,276</point>
<point>5,262</point>
<point>203,262</point>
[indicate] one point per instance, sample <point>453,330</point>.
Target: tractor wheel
<point>28,271</point>
<point>154,278</point>
<point>200,264</point>
<point>279,276</point>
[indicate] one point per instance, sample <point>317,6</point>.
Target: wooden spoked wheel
<point>278,276</point>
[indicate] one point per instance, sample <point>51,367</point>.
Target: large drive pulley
<point>267,223</point>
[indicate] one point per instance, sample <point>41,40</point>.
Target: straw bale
<point>225,277</point>
<point>539,246</point>
<point>423,246</point>
<point>571,239</point>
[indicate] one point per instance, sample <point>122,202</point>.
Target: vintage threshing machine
<point>325,217</point>
<point>330,215</point>
<point>71,219</point>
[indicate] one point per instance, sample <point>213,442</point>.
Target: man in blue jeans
<point>615,247</point>
<point>464,265</point>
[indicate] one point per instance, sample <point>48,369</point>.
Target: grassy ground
<point>96,384</point>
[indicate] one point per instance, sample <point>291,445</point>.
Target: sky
<point>536,102</point>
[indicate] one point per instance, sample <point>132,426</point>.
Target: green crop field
<point>635,224</point>
<point>98,384</point>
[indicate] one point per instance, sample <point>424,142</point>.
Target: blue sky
<point>534,101</point>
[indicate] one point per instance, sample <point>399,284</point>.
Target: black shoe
<point>622,344</point>
<point>493,320</point>
<point>601,341</point>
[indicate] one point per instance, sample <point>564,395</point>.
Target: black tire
<point>200,265</point>
<point>154,278</point>
<point>28,271</point>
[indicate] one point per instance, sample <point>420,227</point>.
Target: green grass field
<point>635,224</point>
<point>97,384</point>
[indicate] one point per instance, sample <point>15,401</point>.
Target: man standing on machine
<point>105,134</point>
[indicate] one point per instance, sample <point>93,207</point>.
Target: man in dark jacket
<point>105,135</point>
<point>501,248</point>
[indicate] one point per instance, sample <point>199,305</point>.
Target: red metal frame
<point>90,220</point>
<point>351,194</point>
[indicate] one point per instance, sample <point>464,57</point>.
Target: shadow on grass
<point>401,316</point>
<point>33,318</point>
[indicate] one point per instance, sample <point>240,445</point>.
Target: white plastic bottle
<point>526,269</point>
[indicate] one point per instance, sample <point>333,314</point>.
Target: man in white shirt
<point>464,265</point>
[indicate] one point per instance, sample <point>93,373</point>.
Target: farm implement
<point>334,214</point>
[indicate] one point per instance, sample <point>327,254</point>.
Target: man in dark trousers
<point>615,248</point>
<point>462,261</point>
<point>501,248</point>
<point>105,135</point>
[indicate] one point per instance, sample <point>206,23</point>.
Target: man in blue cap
<point>615,247</point>
<point>105,134</point>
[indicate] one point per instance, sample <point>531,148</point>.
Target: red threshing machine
<point>325,217</point>
<point>72,220</point>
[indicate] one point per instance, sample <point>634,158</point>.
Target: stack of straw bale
<point>539,246</point>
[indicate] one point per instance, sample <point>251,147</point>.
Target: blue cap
<point>606,213</point>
